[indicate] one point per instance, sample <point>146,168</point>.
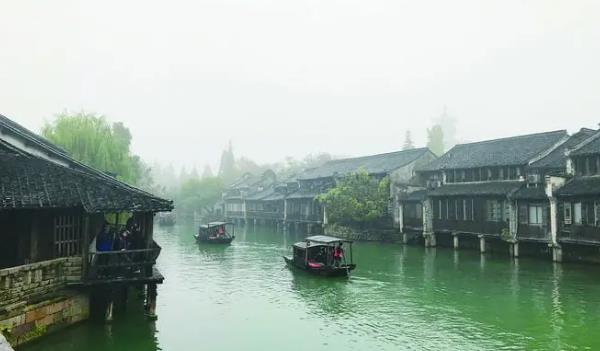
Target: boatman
<point>338,254</point>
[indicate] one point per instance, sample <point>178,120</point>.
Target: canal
<point>400,298</point>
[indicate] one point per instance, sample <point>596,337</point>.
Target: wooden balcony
<point>470,227</point>
<point>235,214</point>
<point>579,234</point>
<point>308,218</point>
<point>539,233</point>
<point>264,215</point>
<point>412,223</point>
<point>123,266</point>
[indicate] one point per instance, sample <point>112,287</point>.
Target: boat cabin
<point>325,255</point>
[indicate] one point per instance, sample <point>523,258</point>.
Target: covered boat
<point>323,255</point>
<point>216,233</point>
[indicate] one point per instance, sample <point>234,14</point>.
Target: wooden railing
<point>265,215</point>
<point>235,214</point>
<point>314,217</point>
<point>533,232</point>
<point>122,265</point>
<point>470,227</point>
<point>579,234</point>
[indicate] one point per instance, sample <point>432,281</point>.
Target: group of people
<point>127,238</point>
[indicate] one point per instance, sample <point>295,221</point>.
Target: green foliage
<point>93,140</point>
<point>435,139</point>
<point>200,194</point>
<point>358,197</point>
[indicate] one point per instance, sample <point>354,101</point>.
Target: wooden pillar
<point>151,294</point>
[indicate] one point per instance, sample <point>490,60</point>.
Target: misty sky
<point>291,77</point>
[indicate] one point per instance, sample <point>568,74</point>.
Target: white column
<point>401,217</point>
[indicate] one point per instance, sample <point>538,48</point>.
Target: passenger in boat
<point>220,231</point>
<point>104,239</point>
<point>338,254</point>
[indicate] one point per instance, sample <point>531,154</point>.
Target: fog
<point>287,78</point>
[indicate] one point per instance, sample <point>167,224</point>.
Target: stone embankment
<point>369,234</point>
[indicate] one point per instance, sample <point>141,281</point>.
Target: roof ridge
<point>375,155</point>
<point>512,137</point>
<point>584,143</point>
<point>550,150</point>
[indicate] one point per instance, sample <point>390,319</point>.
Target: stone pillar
<point>151,302</point>
<point>430,240</point>
<point>557,254</point>
<point>455,240</point>
<point>108,314</point>
<point>401,217</point>
<point>404,238</point>
<point>482,244</point>
<point>553,221</point>
<point>513,249</point>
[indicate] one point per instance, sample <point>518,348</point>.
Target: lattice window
<point>67,236</point>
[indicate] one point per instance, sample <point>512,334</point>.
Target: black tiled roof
<point>376,164</point>
<point>581,186</point>
<point>502,188</point>
<point>592,147</point>
<point>304,194</point>
<point>517,150</point>
<point>29,182</point>
<point>531,193</point>
<point>558,158</point>
<point>417,195</point>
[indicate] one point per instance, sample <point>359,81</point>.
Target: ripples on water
<point>242,297</point>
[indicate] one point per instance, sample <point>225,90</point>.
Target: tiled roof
<point>29,182</point>
<point>9,126</point>
<point>592,146</point>
<point>558,158</point>
<point>417,195</point>
<point>581,186</point>
<point>303,194</point>
<point>530,193</point>
<point>517,150</point>
<point>376,164</point>
<point>502,188</point>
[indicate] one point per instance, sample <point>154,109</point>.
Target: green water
<point>400,298</point>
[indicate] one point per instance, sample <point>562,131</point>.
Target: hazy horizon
<point>290,78</point>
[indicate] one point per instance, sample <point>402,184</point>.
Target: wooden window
<point>439,214</point>
<point>536,215</point>
<point>459,210</point>
<point>592,165</point>
<point>567,213</point>
<point>450,176</point>
<point>451,209</point>
<point>418,211</point>
<point>67,236</point>
<point>596,213</point>
<point>523,214</point>
<point>494,210</point>
<point>577,219</point>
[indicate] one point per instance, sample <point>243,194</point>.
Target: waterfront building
<point>466,194</point>
<point>51,209</point>
<point>242,197</point>
<point>302,209</point>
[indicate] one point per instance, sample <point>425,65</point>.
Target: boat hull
<point>207,240</point>
<point>327,271</point>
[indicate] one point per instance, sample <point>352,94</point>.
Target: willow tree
<point>94,141</point>
<point>357,198</point>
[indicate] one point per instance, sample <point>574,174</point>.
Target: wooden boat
<point>216,233</point>
<point>316,255</point>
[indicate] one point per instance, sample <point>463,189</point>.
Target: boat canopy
<point>214,224</point>
<point>324,239</point>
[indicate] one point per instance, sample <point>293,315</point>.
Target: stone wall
<point>369,234</point>
<point>34,298</point>
<point>30,322</point>
<point>22,284</point>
